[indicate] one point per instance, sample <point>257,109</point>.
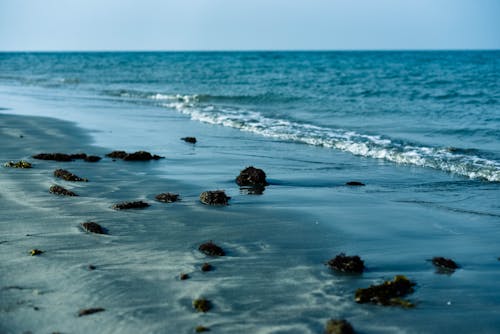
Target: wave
<point>204,108</point>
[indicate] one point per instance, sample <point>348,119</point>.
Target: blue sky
<point>248,25</point>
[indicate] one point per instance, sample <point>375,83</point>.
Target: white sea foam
<point>372,146</point>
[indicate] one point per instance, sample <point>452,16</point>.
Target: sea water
<point>420,129</point>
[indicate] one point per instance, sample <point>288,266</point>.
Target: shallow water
<point>273,279</point>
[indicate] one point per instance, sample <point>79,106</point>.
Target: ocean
<point>421,130</point>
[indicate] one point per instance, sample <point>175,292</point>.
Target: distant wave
<point>198,107</point>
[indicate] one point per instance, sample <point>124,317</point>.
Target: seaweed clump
<point>90,311</point>
<point>388,293</point>
<point>35,252</point>
<point>130,205</point>
<point>53,156</point>
<point>354,184</point>
<point>217,197</point>
<point>58,190</point>
<point>206,267</point>
<point>136,156</point>
<point>183,276</point>
<point>201,329</point>
<point>444,265</point>
<point>19,164</point>
<point>93,228</point>
<point>253,177</point>
<point>347,264</point>
<point>167,197</point>
<point>338,326</point>
<point>202,305</point>
<point>68,176</point>
<point>191,140</point>
<point>211,249</point>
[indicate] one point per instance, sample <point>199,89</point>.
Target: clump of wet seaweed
<point>93,228</point>
<point>167,197</point>
<point>252,176</point>
<point>61,191</point>
<point>130,205</point>
<point>338,326</point>
<point>68,176</point>
<point>201,329</point>
<point>217,197</point>
<point>183,276</point>
<point>191,140</point>
<point>347,264</point>
<point>211,249</point>
<point>355,184</point>
<point>387,293</point>
<point>90,311</point>
<point>206,267</point>
<point>136,156</point>
<point>18,164</point>
<point>202,305</point>
<point>35,252</point>
<point>444,265</point>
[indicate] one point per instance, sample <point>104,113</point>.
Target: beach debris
<point>68,176</point>
<point>167,197</point>
<point>211,249</point>
<point>201,329</point>
<point>92,158</point>
<point>19,164</point>
<point>58,190</point>
<point>216,197</point>
<point>53,156</point>
<point>35,252</point>
<point>202,305</point>
<point>347,264</point>
<point>444,265</point>
<point>89,311</point>
<point>252,176</point>
<point>184,277</point>
<point>136,156</point>
<point>338,326</point>
<point>206,267</point>
<point>93,228</point>
<point>191,140</point>
<point>354,184</point>
<point>130,205</point>
<point>387,293</point>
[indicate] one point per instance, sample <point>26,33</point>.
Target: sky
<point>67,25</point>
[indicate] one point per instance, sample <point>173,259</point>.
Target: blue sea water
<point>421,129</point>
<point>433,109</point>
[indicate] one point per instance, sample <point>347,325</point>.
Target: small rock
<point>217,197</point>
<point>91,267</point>
<point>387,293</point>
<point>58,190</point>
<point>35,252</point>
<point>252,176</point>
<point>202,305</point>
<point>348,264</point>
<point>130,205</point>
<point>92,158</point>
<point>354,183</point>
<point>335,326</point>
<point>93,228</point>
<point>211,249</point>
<point>444,264</point>
<point>53,156</point>
<point>19,164</point>
<point>201,329</point>
<point>167,197</point>
<point>191,140</point>
<point>89,311</point>
<point>67,176</point>
<point>184,277</point>
<point>206,267</point>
